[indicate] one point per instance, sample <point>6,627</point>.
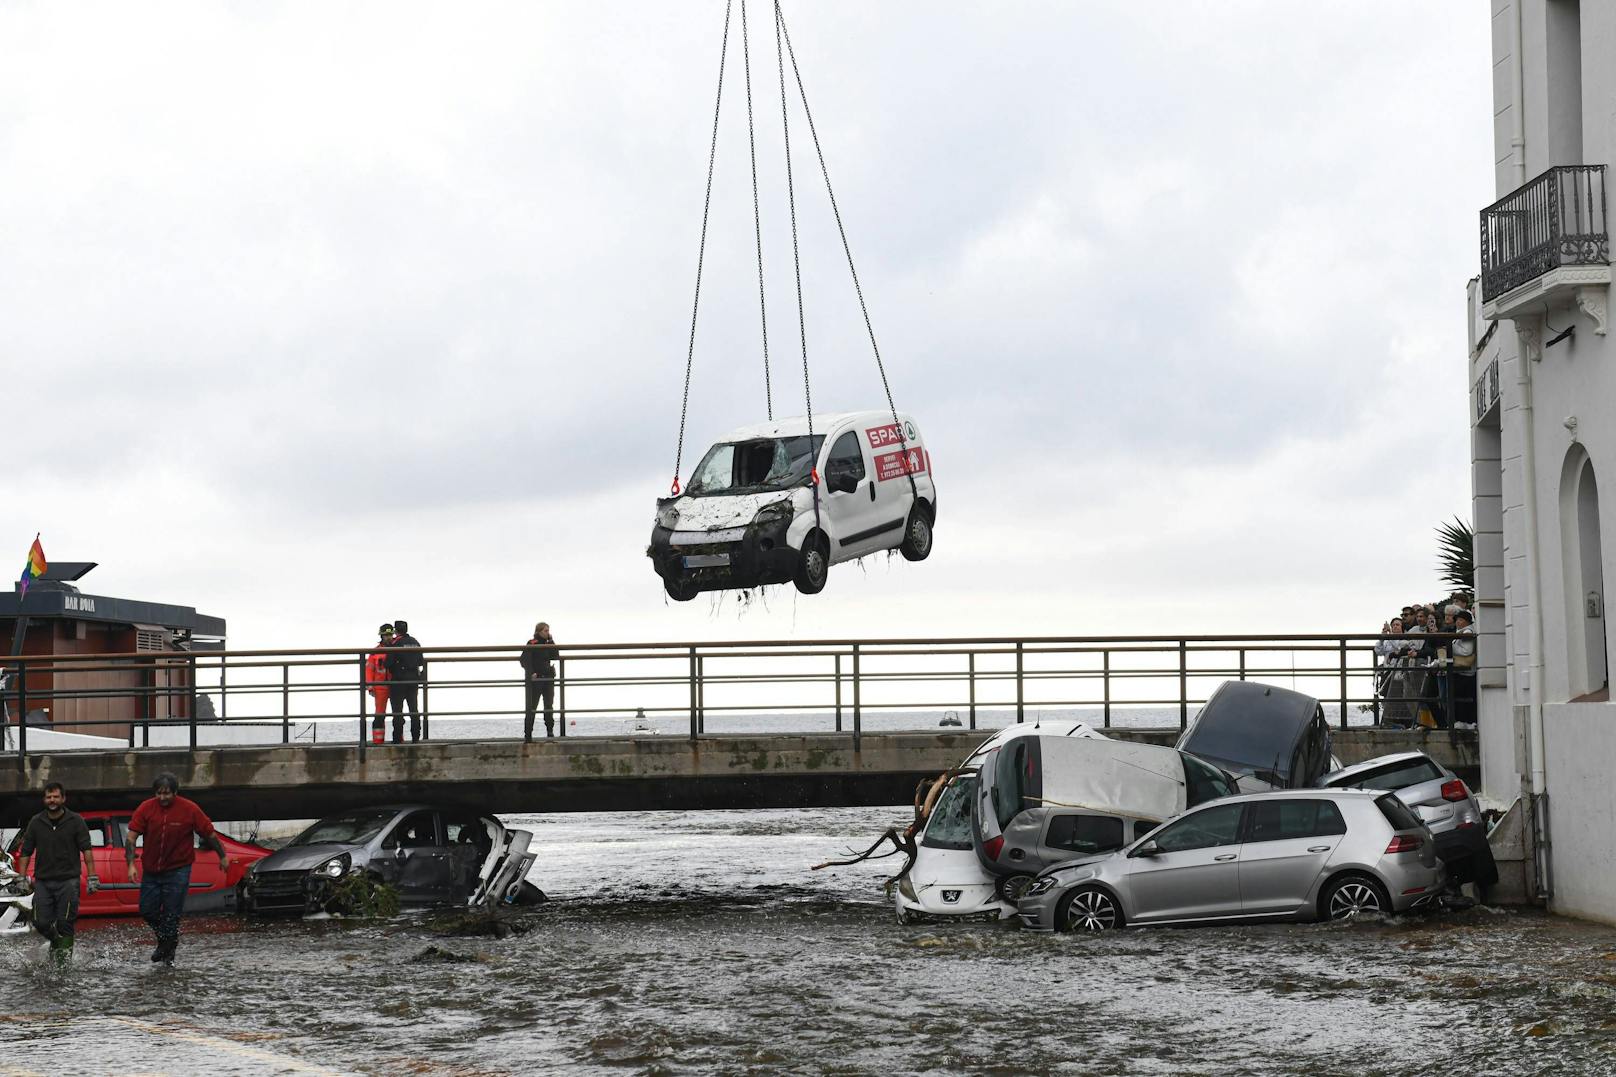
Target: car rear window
<point>1396,813</point>
<point>1399,775</point>
<point>950,825</point>
<point>1011,778</point>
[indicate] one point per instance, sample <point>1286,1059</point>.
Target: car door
<point>469,845</point>
<point>1195,871</point>
<point>1072,834</point>
<point>106,853</point>
<point>1287,844</point>
<point>424,868</point>
<point>850,499</point>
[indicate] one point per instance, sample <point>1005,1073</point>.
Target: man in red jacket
<point>169,824</point>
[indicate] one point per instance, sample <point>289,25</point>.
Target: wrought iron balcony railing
<point>1556,220</point>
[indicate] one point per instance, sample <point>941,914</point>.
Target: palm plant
<point>1456,554</point>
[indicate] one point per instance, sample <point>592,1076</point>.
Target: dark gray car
<point>432,854</point>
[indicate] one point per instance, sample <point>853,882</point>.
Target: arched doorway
<point>1587,647</point>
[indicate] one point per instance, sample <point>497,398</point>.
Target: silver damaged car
<point>1310,854</point>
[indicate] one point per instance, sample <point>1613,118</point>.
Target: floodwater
<point>702,943</point>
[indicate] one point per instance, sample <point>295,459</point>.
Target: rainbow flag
<point>34,567</point>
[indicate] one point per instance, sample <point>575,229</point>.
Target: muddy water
<point>693,943</point>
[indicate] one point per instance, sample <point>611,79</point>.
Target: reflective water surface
<point>702,942</point>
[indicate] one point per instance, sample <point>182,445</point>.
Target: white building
<point>1543,382</point>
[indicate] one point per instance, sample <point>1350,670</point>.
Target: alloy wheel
<point>1091,910</point>
<point>1352,898</point>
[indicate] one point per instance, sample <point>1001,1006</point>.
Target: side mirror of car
<point>1149,848</point>
<point>399,852</point>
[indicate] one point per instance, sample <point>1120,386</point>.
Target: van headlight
<point>668,516</point>
<point>1040,886</point>
<point>334,868</point>
<point>776,512</point>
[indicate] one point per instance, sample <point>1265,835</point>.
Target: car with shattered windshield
<point>433,855</point>
<point>774,503</point>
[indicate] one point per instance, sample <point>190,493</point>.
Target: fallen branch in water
<point>903,840</point>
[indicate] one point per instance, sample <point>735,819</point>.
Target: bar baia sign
<point>1486,392</point>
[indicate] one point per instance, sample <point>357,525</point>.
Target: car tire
<point>1354,895</point>
<point>679,589</point>
<point>1089,908</point>
<point>1009,888</point>
<point>916,545</point>
<point>528,894</point>
<point>813,565</point>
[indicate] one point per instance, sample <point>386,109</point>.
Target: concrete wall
<point>1580,750</point>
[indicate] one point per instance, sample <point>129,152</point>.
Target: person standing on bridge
<point>376,683</point>
<point>538,675</point>
<point>61,839</point>
<point>172,827</point>
<point>404,674</point>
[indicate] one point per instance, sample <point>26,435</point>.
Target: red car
<point>211,890</point>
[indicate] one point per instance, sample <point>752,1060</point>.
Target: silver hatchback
<point>1300,854</point>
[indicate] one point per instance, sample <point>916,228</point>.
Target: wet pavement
<point>698,943</point>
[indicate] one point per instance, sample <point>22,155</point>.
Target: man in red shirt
<point>168,822</point>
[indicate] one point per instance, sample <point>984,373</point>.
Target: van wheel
<point>1011,887</point>
<point>813,565</point>
<point>916,545</point>
<point>679,589</point>
<point>1088,908</point>
<point>1354,895</point>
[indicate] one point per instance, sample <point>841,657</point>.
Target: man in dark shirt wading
<point>168,823</point>
<point>61,839</point>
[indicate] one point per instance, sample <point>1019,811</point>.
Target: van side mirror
<point>1148,849</point>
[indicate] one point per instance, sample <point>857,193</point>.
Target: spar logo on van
<point>895,465</point>
<point>882,436</point>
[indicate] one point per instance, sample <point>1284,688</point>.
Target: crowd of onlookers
<point>1428,665</point>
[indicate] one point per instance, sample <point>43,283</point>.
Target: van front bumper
<point>759,556</point>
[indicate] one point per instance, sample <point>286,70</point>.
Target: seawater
<point>704,943</point>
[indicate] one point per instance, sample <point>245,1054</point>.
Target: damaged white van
<point>750,515</point>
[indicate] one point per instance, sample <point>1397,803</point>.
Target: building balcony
<point>1547,245</point>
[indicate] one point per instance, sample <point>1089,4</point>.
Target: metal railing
<point>1557,219</point>
<point>264,697</point>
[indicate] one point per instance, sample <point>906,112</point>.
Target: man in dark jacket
<point>538,668</point>
<point>405,669</point>
<point>61,839</point>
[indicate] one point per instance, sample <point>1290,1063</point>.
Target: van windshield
<point>950,826</point>
<point>746,467</point>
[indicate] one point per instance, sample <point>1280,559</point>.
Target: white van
<point>749,517</point>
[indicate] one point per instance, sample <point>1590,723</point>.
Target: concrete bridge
<point>646,773</point>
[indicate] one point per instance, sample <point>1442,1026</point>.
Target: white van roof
<point>1140,780</point>
<point>797,425</point>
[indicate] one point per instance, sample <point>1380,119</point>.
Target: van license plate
<point>707,560</point>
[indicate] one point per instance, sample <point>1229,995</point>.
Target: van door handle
<point>1318,848</point>
<point>872,490</point>
<point>1225,856</point>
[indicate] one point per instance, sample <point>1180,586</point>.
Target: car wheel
<point>813,565</point>
<point>528,894</point>
<point>1088,908</point>
<point>1011,887</point>
<point>1354,895</point>
<point>916,545</point>
<point>679,589</point>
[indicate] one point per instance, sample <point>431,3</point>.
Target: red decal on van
<point>883,435</point>
<point>895,465</point>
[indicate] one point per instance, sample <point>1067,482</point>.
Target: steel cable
<point>757,216</point>
<point>701,253</point>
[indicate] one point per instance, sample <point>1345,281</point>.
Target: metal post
<point>1020,701</point>
<point>22,715</point>
<point>695,717</point>
<point>701,693</point>
<point>364,734</point>
<point>858,703</point>
<point>286,704</point>
<point>193,702</point>
<point>970,673</point>
<point>838,658</point>
<point>1343,683</point>
<point>1105,679</point>
<point>1242,663</point>
<point>1374,685</point>
<point>224,694</point>
<point>1183,683</point>
<point>426,702</point>
<point>561,693</point>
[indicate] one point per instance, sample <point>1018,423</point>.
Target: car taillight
<point>1404,843</point>
<point>993,847</point>
<point>1455,790</point>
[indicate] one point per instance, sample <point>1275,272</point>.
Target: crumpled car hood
<point>723,511</point>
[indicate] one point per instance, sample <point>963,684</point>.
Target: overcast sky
<point>317,315</point>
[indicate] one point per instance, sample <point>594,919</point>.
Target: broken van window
<point>753,466</point>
